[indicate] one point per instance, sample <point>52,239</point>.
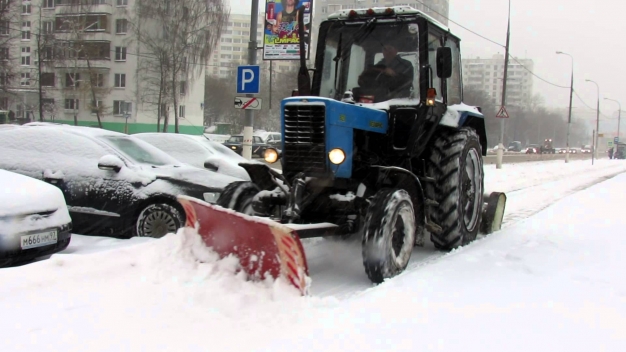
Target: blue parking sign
<point>248,79</point>
<point>615,140</point>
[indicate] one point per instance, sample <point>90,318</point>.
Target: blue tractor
<point>378,143</point>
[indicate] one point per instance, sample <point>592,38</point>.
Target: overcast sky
<point>592,31</point>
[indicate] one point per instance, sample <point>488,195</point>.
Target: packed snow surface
<point>550,280</point>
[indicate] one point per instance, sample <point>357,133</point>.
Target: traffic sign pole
<point>249,114</point>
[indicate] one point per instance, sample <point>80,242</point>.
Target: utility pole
<point>619,117</point>
<point>249,114</point>
<point>569,118</point>
<point>595,145</point>
<point>506,67</point>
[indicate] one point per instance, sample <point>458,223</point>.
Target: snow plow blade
<point>493,212</point>
<point>264,247</point>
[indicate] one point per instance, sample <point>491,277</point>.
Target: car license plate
<point>38,239</point>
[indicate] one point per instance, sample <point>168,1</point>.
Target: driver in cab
<point>391,77</point>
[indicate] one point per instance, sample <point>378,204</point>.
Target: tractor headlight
<point>337,156</point>
<point>233,147</point>
<point>270,155</point>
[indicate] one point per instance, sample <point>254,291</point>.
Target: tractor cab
<point>382,54</point>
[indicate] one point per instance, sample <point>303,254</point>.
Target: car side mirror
<point>110,163</point>
<point>444,62</point>
<point>211,165</point>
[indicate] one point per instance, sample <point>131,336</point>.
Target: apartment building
<point>487,75</point>
<point>112,68</point>
<point>233,49</point>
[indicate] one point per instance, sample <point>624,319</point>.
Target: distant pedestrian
<point>611,153</point>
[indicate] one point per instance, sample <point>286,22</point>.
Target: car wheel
<point>159,219</point>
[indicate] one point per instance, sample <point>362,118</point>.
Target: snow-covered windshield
<point>139,151</point>
<point>378,61</point>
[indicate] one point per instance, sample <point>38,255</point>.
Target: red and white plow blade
<point>264,247</point>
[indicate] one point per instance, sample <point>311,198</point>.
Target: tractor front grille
<point>305,136</point>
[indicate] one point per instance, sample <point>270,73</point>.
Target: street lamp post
<point>500,152</point>
<point>619,116</point>
<point>569,117</point>
<point>595,146</point>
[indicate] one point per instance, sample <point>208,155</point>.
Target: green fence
<point>136,127</point>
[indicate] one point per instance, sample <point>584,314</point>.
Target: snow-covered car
<point>114,184</point>
<point>34,220</point>
<point>198,151</point>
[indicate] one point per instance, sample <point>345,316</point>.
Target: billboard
<point>280,33</point>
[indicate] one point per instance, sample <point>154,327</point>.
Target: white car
<point>199,151</point>
<point>34,219</point>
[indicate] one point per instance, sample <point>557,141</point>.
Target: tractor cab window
<point>454,82</point>
<point>375,61</point>
<point>434,42</point>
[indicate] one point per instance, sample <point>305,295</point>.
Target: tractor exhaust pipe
<point>493,212</point>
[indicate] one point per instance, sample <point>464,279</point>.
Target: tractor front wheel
<point>389,234</point>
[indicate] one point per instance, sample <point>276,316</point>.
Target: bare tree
<point>177,38</point>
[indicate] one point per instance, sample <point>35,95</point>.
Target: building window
<point>121,26</point>
<point>120,80</point>
<point>26,56</point>
<point>95,106</point>
<point>122,3</point>
<point>47,53</point>
<point>4,79</point>
<point>183,88</point>
<point>25,35</point>
<point>121,107</point>
<point>4,27</point>
<point>181,111</point>
<point>4,54</point>
<point>71,104</point>
<point>4,103</point>
<point>26,9</point>
<point>48,27</point>
<point>97,80</point>
<point>72,79</point>
<point>25,79</point>
<point>120,53</point>
<point>48,4</point>
<point>47,79</point>
<point>26,24</point>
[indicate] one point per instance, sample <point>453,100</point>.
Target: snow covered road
<point>552,281</point>
<point>336,265</point>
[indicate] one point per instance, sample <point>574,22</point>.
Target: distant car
<point>515,146</point>
<point>114,184</point>
<point>235,143</point>
<point>198,151</point>
<point>273,139</point>
<point>34,220</point>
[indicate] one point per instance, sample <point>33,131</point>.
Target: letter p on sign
<point>248,79</point>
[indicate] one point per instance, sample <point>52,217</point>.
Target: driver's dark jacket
<point>400,85</point>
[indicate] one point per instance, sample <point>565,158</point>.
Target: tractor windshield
<point>376,61</point>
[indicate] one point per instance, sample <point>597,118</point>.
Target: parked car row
<point>112,184</point>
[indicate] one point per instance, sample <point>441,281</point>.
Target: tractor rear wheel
<point>456,164</point>
<point>389,234</point>
<point>238,197</point>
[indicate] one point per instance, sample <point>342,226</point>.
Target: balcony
<point>65,7</point>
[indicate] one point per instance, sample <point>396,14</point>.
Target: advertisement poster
<point>281,40</point>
